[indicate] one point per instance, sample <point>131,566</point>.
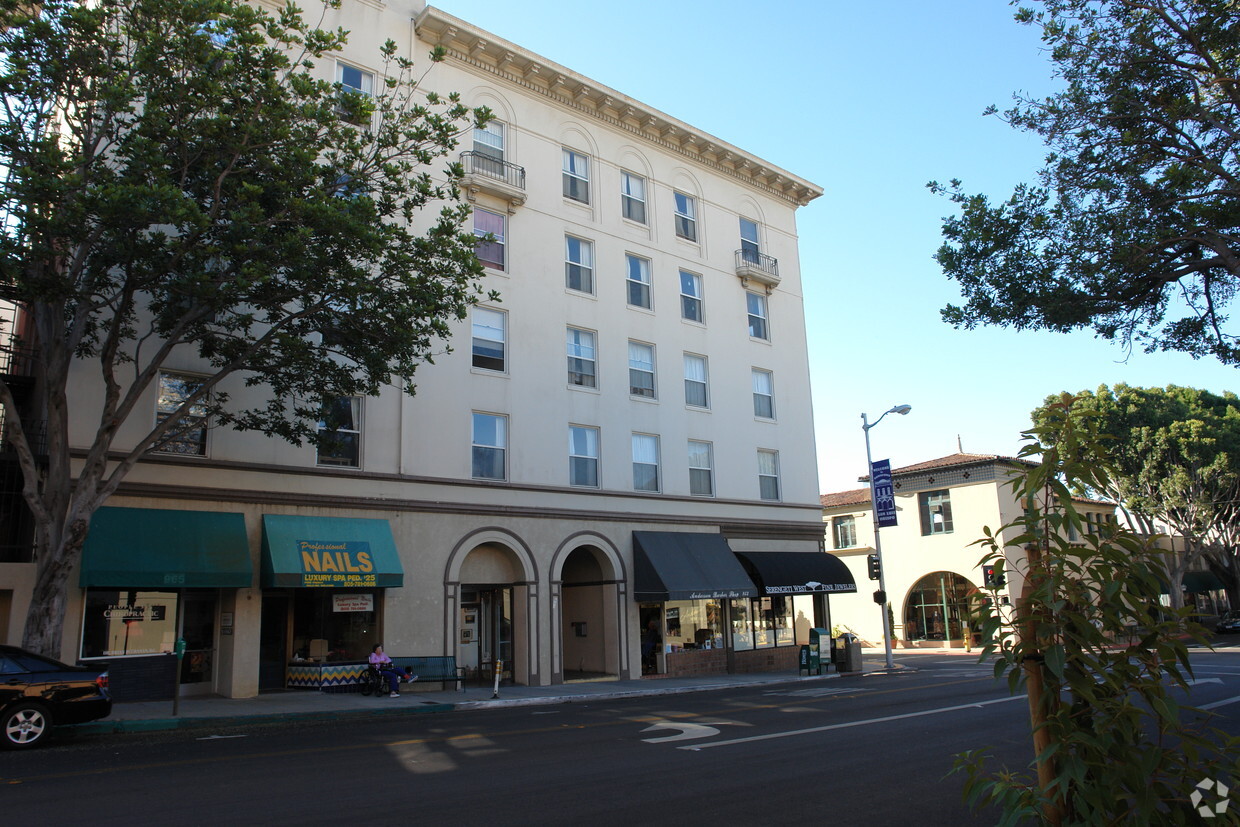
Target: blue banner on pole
<point>884,493</point>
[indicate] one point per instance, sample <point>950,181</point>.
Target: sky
<point>870,101</point>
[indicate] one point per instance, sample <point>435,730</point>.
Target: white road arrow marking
<point>687,732</point>
<point>1200,681</point>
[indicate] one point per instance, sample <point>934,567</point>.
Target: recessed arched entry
<point>938,608</point>
<point>588,611</point>
<point>490,601</point>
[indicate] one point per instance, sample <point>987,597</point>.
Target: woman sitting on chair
<point>383,664</point>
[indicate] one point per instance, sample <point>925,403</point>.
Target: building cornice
<point>477,48</point>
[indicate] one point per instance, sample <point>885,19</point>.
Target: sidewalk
<point>294,705</point>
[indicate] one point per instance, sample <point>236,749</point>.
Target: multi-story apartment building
<point>599,479</point>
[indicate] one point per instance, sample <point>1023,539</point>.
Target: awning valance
<point>151,548</point>
<point>674,565</point>
<point>797,572</point>
<point>1198,582</point>
<point>329,552</point>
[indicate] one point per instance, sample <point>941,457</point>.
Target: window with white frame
<point>633,197</point>
<point>691,297</point>
<point>845,530</point>
<point>701,469</point>
<point>578,264</point>
<point>768,474</point>
<point>490,446</point>
<point>490,339</point>
<point>189,436</point>
<point>645,462</point>
<point>576,176</point>
<point>340,432</point>
<point>756,305</point>
<point>489,149</point>
<point>638,280</point>
<point>686,216</point>
<point>695,381</point>
<point>750,251</point>
<point>489,228</point>
<point>582,456</point>
<point>936,511</point>
<point>763,394</point>
<point>357,87</point>
<point>641,370</point>
<point>582,361</point>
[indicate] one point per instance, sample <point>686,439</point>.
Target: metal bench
<point>440,668</point>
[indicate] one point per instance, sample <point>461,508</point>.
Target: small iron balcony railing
<point>479,163</point>
<point>749,262</point>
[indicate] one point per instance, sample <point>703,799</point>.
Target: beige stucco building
<point>646,371</point>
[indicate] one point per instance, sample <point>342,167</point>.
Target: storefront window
<point>938,607</point>
<point>118,623</point>
<point>334,626</point>
<point>767,622</point>
<point>693,624</point>
<point>742,629</point>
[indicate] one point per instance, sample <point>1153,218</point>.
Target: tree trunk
<point>45,621</point>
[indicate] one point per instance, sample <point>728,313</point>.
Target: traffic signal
<point>875,570</point>
<point>992,577</point>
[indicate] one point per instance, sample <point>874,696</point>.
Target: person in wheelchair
<point>381,663</point>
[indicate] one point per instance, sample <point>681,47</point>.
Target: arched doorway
<point>938,607</point>
<point>494,615</point>
<point>589,627</point>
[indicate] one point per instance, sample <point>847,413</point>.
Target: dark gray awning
<point>797,572</point>
<point>675,565</point>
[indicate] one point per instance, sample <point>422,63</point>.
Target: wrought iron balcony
<point>759,267</point>
<point>493,176</point>
<point>17,360</point>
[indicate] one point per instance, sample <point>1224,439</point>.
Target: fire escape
<point>18,369</point>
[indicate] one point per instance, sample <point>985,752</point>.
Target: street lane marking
<point>1223,702</point>
<point>1200,681</point>
<point>687,732</point>
<point>817,693</point>
<point>774,735</point>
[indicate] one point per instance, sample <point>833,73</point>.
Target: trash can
<point>846,653</point>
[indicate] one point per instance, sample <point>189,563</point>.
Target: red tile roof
<point>858,496</point>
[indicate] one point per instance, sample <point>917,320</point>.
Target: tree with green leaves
<point>1174,455</point>
<point>185,186</point>
<point>1133,228</point>
<point>1113,741</point>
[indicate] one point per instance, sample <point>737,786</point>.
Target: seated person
<point>381,662</point>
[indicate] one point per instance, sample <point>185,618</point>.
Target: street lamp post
<point>878,549</point>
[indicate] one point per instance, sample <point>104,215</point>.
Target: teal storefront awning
<point>329,552</point>
<point>152,548</point>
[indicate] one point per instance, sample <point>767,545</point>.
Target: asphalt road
<point>856,750</point>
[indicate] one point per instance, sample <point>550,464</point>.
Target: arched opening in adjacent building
<point>937,609</point>
<point>589,616</point>
<point>494,615</point>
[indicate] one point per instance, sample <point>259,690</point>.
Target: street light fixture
<point>866,425</point>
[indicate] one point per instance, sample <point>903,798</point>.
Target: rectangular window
<point>489,228</point>
<point>701,469</point>
<point>763,394</point>
<point>686,216</point>
<point>936,511</point>
<point>695,381</point>
<point>490,445</point>
<point>189,436</point>
<point>645,462</point>
<point>691,297</point>
<point>633,197</point>
<point>340,432</point>
<point>356,88</point>
<point>489,149</point>
<point>757,315</point>
<point>750,251</point>
<point>641,370</point>
<point>490,338</point>
<point>768,474</point>
<point>638,281</point>
<point>845,531</point>
<point>582,456</point>
<point>577,176</point>
<point>582,362</point>
<point>579,264</point>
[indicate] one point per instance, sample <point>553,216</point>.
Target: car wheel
<point>25,725</point>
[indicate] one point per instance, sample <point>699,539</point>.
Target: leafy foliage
<point>1133,228</point>
<point>1105,671</point>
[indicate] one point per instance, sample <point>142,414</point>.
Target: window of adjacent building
<point>490,445</point>
<point>701,469</point>
<point>490,338</point>
<point>582,456</point>
<point>633,197</point>
<point>691,297</point>
<point>579,264</point>
<point>756,305</point>
<point>686,216</point>
<point>645,462</point>
<point>695,381</point>
<point>489,149</point>
<point>749,241</point>
<point>638,280</point>
<point>768,474</point>
<point>936,511</point>
<point>763,394</point>
<point>356,87</point>
<point>641,370</point>
<point>577,176</point>
<point>582,362</point>
<point>489,228</point>
<point>189,436</point>
<point>340,432</point>
<point>845,531</point>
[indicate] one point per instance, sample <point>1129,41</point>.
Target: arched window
<point>938,606</point>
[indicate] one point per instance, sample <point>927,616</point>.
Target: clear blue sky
<point>869,101</point>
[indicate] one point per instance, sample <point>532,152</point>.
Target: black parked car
<point>37,692</point>
<point>1229,622</point>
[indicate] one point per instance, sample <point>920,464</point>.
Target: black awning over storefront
<point>675,565</point>
<point>153,548</point>
<point>797,572</point>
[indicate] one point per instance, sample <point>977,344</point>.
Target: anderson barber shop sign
<point>336,563</point>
